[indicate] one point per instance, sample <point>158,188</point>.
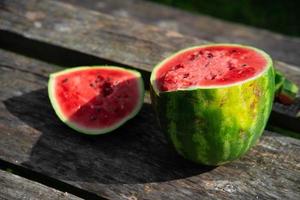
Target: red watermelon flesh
<point>209,66</point>
<point>96,100</point>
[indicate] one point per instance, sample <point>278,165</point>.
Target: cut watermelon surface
<point>210,66</point>
<point>96,100</point>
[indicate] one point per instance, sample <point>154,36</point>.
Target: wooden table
<point>41,158</point>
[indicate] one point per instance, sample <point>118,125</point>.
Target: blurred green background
<point>281,16</point>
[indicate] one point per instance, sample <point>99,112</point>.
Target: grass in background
<point>276,15</point>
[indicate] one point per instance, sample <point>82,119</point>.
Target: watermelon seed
<point>206,65</point>
<point>65,80</point>
<point>99,79</point>
<point>194,56</point>
<point>92,85</point>
<point>210,55</point>
<point>107,89</point>
<point>213,76</point>
<point>244,65</point>
<point>186,75</point>
<point>178,66</point>
<point>233,51</point>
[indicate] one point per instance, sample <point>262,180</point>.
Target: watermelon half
<point>213,101</point>
<point>96,100</point>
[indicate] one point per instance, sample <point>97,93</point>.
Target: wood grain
<point>17,188</point>
<point>133,162</point>
<point>281,47</point>
<point>121,40</point>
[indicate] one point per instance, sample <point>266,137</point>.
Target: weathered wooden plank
<point>119,40</point>
<point>15,187</point>
<point>134,162</point>
<point>281,47</point>
<point>116,39</point>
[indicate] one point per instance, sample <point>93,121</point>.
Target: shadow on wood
<point>57,54</point>
<point>135,153</point>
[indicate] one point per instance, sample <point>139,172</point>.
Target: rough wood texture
<point>133,162</point>
<point>281,47</point>
<point>123,41</point>
<point>16,187</point>
<point>119,39</point>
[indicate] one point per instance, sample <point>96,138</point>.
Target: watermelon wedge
<point>96,100</point>
<point>213,101</point>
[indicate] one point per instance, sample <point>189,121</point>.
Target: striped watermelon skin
<point>213,126</point>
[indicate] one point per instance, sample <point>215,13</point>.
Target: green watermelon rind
<point>231,130</point>
<point>279,80</point>
<point>94,131</point>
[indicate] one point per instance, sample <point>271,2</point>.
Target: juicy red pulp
<point>209,66</point>
<point>96,98</point>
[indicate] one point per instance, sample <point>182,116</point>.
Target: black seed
<point>210,55</point>
<point>99,78</point>
<point>194,56</point>
<point>107,89</point>
<point>244,65</point>
<point>186,75</point>
<point>65,80</point>
<point>206,65</point>
<point>178,66</point>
